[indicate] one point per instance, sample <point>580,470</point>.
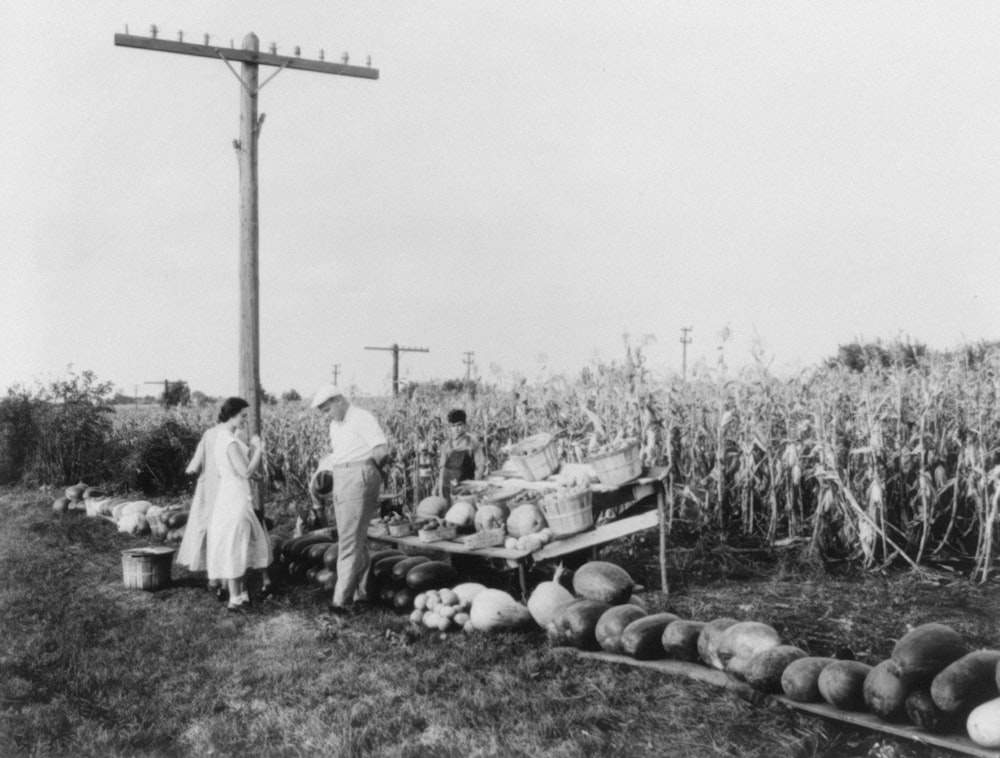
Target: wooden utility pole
<point>468,365</point>
<point>685,341</point>
<point>251,58</point>
<point>336,372</point>
<point>396,350</point>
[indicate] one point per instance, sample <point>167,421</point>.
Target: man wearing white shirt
<point>358,450</point>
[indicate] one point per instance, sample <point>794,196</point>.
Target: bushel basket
<point>147,568</point>
<point>568,513</point>
<point>535,457</point>
<point>618,466</point>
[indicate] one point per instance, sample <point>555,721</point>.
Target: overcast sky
<point>528,181</point>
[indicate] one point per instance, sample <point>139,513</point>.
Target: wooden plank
<point>244,56</point>
<point>957,743</point>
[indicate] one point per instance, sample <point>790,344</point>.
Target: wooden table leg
<point>522,576</point>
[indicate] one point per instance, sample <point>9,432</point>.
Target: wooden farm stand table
<point>609,502</point>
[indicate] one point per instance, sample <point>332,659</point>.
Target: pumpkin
<point>966,683</point>
<point>604,582</point>
<point>524,520</point>
<point>983,724</point>
<point>680,639</point>
<point>575,626</point>
<point>884,692</point>
<point>548,599</point>
<point>763,671</point>
<point>800,679</point>
<point>642,638</point>
<point>709,638</point>
<point>920,654</point>
<point>432,506</point>
<point>497,611</point>
<point>612,623</point>
<point>842,683</point>
<point>462,515</point>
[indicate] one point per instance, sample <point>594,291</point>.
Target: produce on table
<point>842,684</point>
<point>983,724</point>
<point>604,582</point>
<point>966,683</point>
<point>495,610</point>
<point>708,640</point>
<point>920,654</point>
<point>922,711</point>
<point>611,625</point>
<point>576,624</point>
<point>800,679</point>
<point>741,642</point>
<point>680,639</point>
<point>529,542</point>
<point>431,575</point>
<point>548,599</point>
<point>764,670</point>
<point>885,693</point>
<point>490,517</point>
<point>642,639</point>
<point>462,515</point>
<point>432,506</point>
<point>525,519</point>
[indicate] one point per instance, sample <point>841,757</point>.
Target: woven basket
<point>618,466</point>
<point>147,568</point>
<point>569,515</point>
<point>377,529</point>
<point>402,529</point>
<point>485,538</point>
<point>535,457</point>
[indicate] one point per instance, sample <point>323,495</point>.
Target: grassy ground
<point>89,668</point>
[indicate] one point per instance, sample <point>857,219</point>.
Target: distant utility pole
<point>336,373</point>
<point>468,365</point>
<point>396,350</point>
<point>685,341</point>
<point>246,148</point>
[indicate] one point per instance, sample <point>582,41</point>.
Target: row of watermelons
<point>310,558</point>
<point>932,678</point>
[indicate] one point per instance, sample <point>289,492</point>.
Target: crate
<point>618,466</point>
<point>437,535</point>
<point>147,568</point>
<point>402,529</point>
<point>535,457</point>
<point>569,513</point>
<point>485,538</point>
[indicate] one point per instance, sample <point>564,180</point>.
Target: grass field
<point>89,668</point>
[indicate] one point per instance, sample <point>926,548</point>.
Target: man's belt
<point>354,464</point>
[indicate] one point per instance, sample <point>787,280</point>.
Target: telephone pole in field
<point>250,58</point>
<point>396,350</point>
<point>468,365</point>
<point>685,341</point>
<point>336,373</point>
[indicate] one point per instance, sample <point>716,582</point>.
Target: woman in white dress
<point>191,552</point>
<point>237,540</point>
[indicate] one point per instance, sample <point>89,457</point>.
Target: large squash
<point>576,624</point>
<point>709,638</point>
<point>524,520</point>
<point>741,642</point>
<point>642,639</point>
<point>842,684</point>
<point>967,682</point>
<point>983,724</point>
<point>885,693</point>
<point>432,506</point>
<point>764,670</point>
<point>800,679</point>
<point>496,611</point>
<point>604,582</point>
<point>680,639</point>
<point>919,655</point>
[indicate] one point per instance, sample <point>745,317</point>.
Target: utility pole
<point>396,350</point>
<point>336,372</point>
<point>166,388</point>
<point>685,341</point>
<point>468,365</point>
<point>246,148</point>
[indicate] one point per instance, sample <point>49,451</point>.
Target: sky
<point>531,182</point>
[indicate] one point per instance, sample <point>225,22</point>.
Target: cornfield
<point>880,467</point>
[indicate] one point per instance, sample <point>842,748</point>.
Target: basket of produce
<point>535,457</point>
<point>568,511</point>
<point>147,568</point>
<point>485,538</point>
<point>401,528</point>
<point>617,464</point>
<point>437,532</point>
<point>377,528</point>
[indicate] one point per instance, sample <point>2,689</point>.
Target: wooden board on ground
<point>957,743</point>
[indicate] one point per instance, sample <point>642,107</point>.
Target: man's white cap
<point>324,393</point>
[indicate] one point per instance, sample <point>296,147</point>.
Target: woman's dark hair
<point>456,416</point>
<point>231,407</point>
